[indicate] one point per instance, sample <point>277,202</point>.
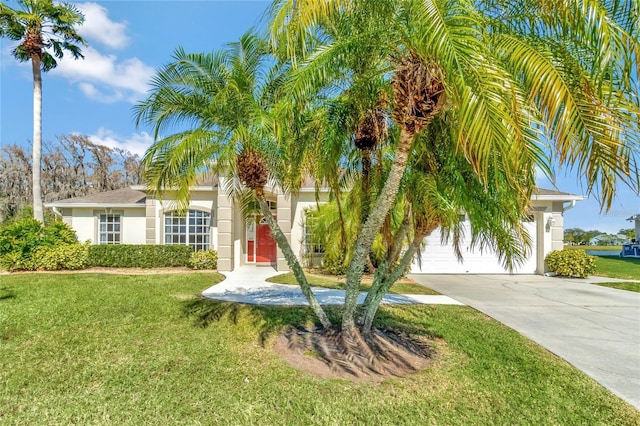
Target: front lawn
<point>120,349</point>
<point>625,268</point>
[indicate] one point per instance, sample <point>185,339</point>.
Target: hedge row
<point>140,256</point>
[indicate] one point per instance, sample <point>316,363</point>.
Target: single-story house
<point>134,216</point>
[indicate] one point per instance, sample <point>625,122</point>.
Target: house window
<point>312,243</point>
<point>109,225</point>
<point>191,230</point>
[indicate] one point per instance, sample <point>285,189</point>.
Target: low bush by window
<point>63,257</point>
<point>139,255</point>
<point>204,259</point>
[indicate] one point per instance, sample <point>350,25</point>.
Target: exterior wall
<point>84,221</point>
<point>133,226</point>
<point>85,224</point>
<point>299,204</point>
<point>67,216</point>
<point>283,203</point>
<point>151,224</point>
<point>550,231</point>
<point>225,221</point>
<point>238,239</point>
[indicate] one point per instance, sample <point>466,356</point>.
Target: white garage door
<point>440,259</point>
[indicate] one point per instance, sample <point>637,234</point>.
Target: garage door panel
<point>437,258</point>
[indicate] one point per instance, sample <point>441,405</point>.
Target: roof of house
<point>135,196</point>
<point>205,182</point>
<point>117,197</point>
<point>552,194</point>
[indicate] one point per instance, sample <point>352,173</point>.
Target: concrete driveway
<point>596,329</point>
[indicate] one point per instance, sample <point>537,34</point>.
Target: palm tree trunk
<point>293,263</point>
<point>36,167</point>
<point>343,231</point>
<point>371,308</point>
<point>392,256</point>
<point>368,231</point>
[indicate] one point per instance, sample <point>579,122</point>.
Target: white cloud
<point>106,78</point>
<point>136,143</point>
<point>98,27</point>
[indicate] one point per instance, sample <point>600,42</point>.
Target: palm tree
<point>512,73</point>
<point>229,100</point>
<point>41,26</point>
<point>439,187</point>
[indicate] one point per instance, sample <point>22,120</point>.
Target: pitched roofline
<point>563,197</point>
<point>96,205</point>
<point>191,188</point>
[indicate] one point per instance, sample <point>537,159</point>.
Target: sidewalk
<point>248,284</point>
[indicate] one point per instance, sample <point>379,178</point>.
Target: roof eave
<point>569,197</point>
<point>94,205</point>
<point>191,188</point>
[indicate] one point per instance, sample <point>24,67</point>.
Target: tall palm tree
<point>45,31</point>
<point>229,121</point>
<point>513,73</point>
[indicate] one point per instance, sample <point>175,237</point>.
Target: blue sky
<point>128,40</point>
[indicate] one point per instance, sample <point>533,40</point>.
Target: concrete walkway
<point>248,284</point>
<point>597,329</point>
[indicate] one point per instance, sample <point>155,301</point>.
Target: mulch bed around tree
<point>374,357</point>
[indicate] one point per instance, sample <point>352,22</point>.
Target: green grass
<point>328,281</point>
<point>629,286</point>
<point>625,268</point>
<point>595,248</point>
<point>133,350</point>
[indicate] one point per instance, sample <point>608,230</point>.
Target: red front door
<point>266,248</point>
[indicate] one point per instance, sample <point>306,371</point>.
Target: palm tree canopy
<point>46,30</point>
<point>212,106</point>
<point>554,77</point>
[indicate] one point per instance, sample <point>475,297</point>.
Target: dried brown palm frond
<point>372,130</point>
<point>33,43</point>
<point>252,170</point>
<point>419,93</point>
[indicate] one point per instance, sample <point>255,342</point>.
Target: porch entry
<point>261,247</point>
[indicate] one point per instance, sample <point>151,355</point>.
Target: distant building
<point>608,240</point>
<point>636,218</point>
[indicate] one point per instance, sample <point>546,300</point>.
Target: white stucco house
<point>133,216</point>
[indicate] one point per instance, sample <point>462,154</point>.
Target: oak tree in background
<point>44,30</point>
<point>72,167</point>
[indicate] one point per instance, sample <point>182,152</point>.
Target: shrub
<point>571,263</point>
<point>57,233</point>
<point>204,259</point>
<point>21,237</point>
<point>64,256</point>
<point>139,255</point>
<point>19,241</point>
<point>333,262</point>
